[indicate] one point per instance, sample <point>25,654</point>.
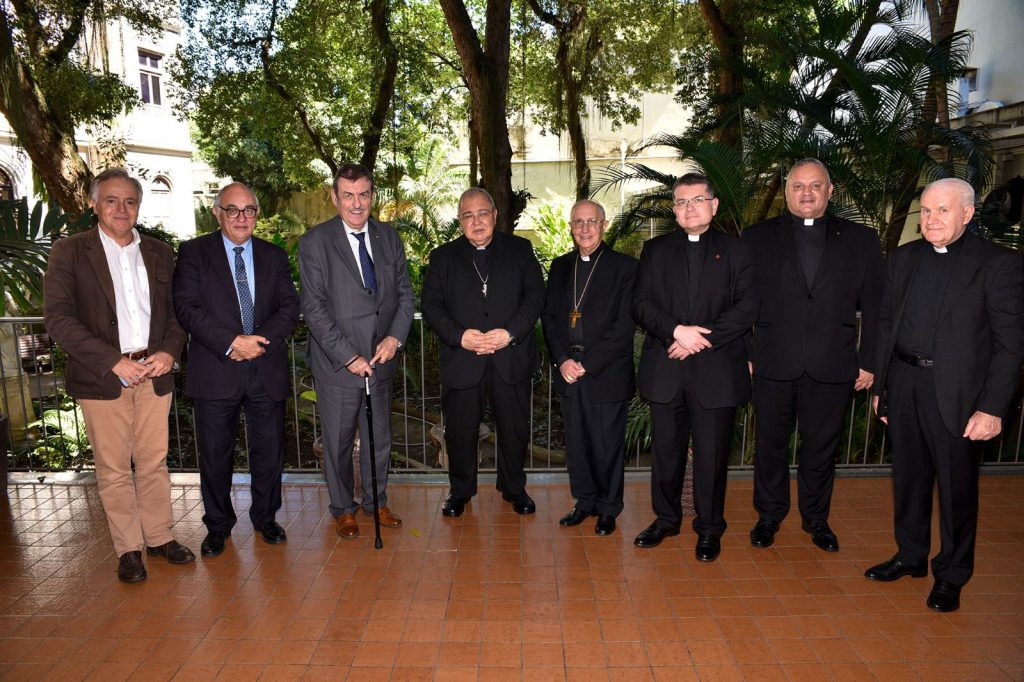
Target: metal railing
<point>47,432</point>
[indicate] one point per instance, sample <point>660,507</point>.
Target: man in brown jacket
<point>107,302</point>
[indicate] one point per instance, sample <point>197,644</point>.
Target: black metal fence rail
<point>47,433</point>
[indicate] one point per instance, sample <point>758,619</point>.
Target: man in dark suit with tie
<point>815,272</point>
<point>482,296</point>
<point>696,299</point>
<point>233,293</point>
<point>951,340</point>
<point>589,332</point>
<point>357,301</point>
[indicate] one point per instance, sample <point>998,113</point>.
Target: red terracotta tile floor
<point>495,596</point>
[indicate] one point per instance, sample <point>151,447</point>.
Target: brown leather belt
<point>915,360</point>
<point>137,355</point>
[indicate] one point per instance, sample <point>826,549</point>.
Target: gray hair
<point>811,162</point>
<point>591,202</point>
<point>111,174</point>
<point>961,187</point>
<point>476,191</point>
<point>220,192</point>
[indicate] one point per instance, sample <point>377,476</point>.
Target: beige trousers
<point>132,428</point>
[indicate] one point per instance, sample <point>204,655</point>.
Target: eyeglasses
<point>579,223</point>
<point>696,201</point>
<point>482,214</point>
<point>233,211</point>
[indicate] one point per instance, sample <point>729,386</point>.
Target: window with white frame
<point>150,74</point>
<point>158,210</point>
<point>6,186</point>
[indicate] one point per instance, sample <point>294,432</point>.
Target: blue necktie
<point>244,297</point>
<point>369,274</point>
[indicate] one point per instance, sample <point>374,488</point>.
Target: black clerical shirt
<point>810,245</point>
<point>927,289</point>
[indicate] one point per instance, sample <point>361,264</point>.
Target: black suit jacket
<point>814,330</point>
<point>452,302</point>
<point>979,336</point>
<point>206,302</point>
<point>607,324</point>
<point>726,303</point>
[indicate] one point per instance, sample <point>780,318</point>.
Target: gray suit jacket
<point>344,319</point>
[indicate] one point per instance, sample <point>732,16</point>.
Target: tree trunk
<point>725,22</point>
<point>380,18</point>
<point>48,140</point>
<point>486,71</point>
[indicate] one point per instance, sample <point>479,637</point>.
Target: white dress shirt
<point>131,291</point>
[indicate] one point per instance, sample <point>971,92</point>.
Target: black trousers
<point>595,444</point>
<point>463,412</point>
<point>672,424</point>
<point>217,432</point>
<point>819,409</point>
<point>925,452</point>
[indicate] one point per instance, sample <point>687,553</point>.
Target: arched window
<point>158,209</point>
<point>6,186</point>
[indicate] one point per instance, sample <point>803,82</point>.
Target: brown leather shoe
<point>347,527</point>
<point>173,551</point>
<point>388,518</point>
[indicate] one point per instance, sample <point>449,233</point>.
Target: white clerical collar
<point>808,222</point>
<point>940,249</point>
<point>693,237</point>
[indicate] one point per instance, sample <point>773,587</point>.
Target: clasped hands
<point>485,343</point>
<point>134,372</point>
<point>572,371</point>
<point>248,347</point>
<point>385,350</point>
<point>687,341</point>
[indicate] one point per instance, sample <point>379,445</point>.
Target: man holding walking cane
<point>357,301</point>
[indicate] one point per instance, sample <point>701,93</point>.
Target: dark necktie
<point>369,274</point>
<point>244,297</point>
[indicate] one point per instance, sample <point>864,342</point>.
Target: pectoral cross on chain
<point>573,316</point>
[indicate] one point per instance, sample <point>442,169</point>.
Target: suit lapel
<point>967,263</point>
<point>222,273</point>
<point>679,276</point>
<point>341,245</point>
<point>790,260</point>
<point>98,260</point>
<point>830,253</point>
<point>913,261</point>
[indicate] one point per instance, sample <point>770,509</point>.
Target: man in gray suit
<point>357,301</point>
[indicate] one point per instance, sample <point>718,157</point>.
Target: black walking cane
<point>377,542</point>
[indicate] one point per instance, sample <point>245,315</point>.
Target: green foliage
<point>25,239</point>
<point>158,232</point>
<point>311,58</point>
<point>864,112</point>
<point>60,436</point>
<point>620,50</point>
<point>553,236</point>
<point>284,230</point>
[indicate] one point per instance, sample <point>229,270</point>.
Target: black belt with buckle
<point>137,355</point>
<point>575,349</point>
<point>915,360</point>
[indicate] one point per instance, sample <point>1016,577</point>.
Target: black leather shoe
<point>708,548</point>
<point>605,524</point>
<point>821,535</point>
<point>130,568</point>
<point>454,505</point>
<point>574,518</point>
<point>944,597</point>
<point>213,544</point>
<point>763,533</point>
<point>174,552</point>
<point>653,535</point>
<point>894,569</point>
<point>273,533</point>
<point>522,503</point>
